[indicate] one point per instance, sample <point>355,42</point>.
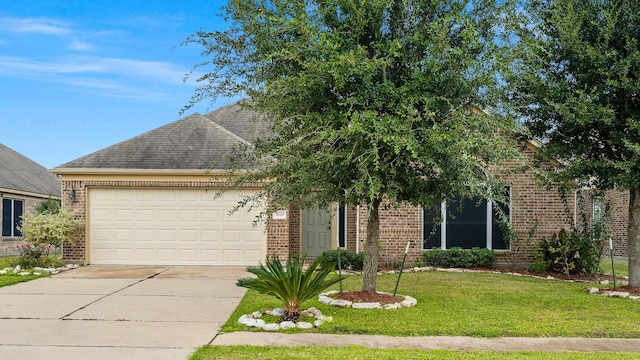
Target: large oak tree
<point>372,102</point>
<point>577,85</point>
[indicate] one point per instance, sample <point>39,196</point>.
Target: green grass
<point>474,304</point>
<point>5,262</point>
<point>11,279</point>
<point>621,266</point>
<point>358,352</point>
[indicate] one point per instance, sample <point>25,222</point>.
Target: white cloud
<point>107,77</point>
<point>35,25</point>
<point>80,45</point>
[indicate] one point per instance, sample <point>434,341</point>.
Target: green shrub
<point>43,233</point>
<point>578,250</point>
<point>49,228</point>
<point>292,284</point>
<point>459,258</point>
<point>348,260</point>
<point>31,256</point>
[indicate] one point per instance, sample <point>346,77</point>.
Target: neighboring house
<point>23,185</point>
<point>143,202</point>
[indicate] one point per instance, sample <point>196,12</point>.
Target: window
<point>11,214</point>
<point>466,223</point>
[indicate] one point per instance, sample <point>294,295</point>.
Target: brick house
<point>143,202</point>
<point>23,185</point>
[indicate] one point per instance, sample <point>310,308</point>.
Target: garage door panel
<point>171,226</point>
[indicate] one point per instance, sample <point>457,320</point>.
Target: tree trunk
<point>370,268</point>
<point>634,237</point>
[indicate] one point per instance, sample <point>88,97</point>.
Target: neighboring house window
<point>342,227</point>
<point>11,214</point>
<point>598,211</point>
<point>466,223</point>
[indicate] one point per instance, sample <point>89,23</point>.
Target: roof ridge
<point>227,131</point>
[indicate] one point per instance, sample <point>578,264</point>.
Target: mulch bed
<point>367,297</point>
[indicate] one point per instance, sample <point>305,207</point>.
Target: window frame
<point>14,217</point>
<point>489,241</point>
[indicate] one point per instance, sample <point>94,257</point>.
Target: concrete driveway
<point>117,312</point>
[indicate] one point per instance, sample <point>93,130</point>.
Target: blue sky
<point>79,75</point>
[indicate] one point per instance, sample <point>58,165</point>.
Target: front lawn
<point>241,352</point>
<point>621,266</point>
<point>474,304</point>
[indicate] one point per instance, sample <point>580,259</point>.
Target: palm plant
<point>292,284</point>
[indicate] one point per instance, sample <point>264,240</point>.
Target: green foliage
<point>48,206</point>
<point>49,228</point>
<point>575,83</point>
<point>458,258</point>
<point>579,250</point>
<point>43,233</point>
<point>292,284</point>
<point>366,100</point>
<point>348,260</point>
<point>30,256</point>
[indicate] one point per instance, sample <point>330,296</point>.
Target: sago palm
<point>292,284</point>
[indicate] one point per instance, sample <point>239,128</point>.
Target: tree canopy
<point>370,101</point>
<point>576,83</point>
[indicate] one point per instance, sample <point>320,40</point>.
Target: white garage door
<point>172,227</point>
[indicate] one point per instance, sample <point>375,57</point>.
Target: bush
<point>49,228</point>
<point>569,253</point>
<point>43,233</point>
<point>579,250</point>
<point>31,256</point>
<point>458,258</point>
<point>348,260</point>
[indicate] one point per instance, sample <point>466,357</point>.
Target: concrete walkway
<point>117,313</point>
<point>431,342</point>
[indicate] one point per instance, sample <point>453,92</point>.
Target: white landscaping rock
<point>594,291</point>
<point>635,298</point>
<point>373,305</point>
<point>619,294</point>
<point>340,303</point>
<point>325,300</point>
<point>304,325</point>
<point>409,301</point>
<point>256,314</point>
<point>287,325</point>
<point>394,306</point>
<point>318,323</point>
<point>271,327</point>
<point>604,282</point>
<point>277,312</point>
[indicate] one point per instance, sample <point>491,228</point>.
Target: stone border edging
<point>36,270</point>
<point>254,319</point>
<point>325,299</point>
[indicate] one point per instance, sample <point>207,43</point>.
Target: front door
<point>316,231</point>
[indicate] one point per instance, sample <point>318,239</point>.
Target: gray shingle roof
<point>241,122</point>
<point>17,172</point>
<point>192,143</point>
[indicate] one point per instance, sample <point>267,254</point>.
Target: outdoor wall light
<point>72,195</point>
